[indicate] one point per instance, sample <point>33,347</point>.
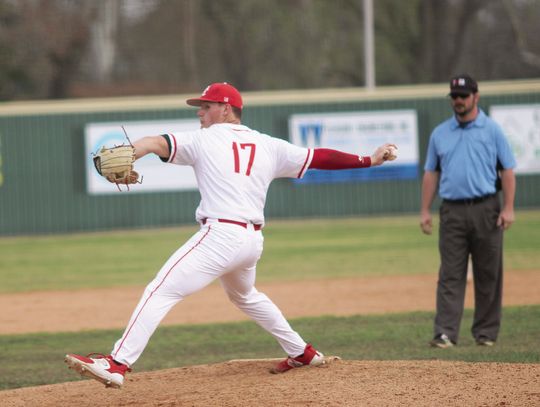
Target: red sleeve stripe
<point>309,157</point>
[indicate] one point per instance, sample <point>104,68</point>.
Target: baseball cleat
<point>310,357</point>
<point>102,368</point>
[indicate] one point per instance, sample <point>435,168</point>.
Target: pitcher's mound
<point>247,383</point>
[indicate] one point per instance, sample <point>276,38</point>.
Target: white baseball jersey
<point>234,166</point>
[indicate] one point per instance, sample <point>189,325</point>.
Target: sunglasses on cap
<point>459,95</point>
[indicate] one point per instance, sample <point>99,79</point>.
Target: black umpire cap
<point>463,85</point>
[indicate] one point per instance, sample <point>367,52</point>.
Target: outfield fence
<point>43,163</point>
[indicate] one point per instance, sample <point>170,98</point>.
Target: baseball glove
<point>116,165</point>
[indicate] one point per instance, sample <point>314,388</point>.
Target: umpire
<point>470,160</point>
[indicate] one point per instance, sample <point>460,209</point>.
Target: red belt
<point>235,222</point>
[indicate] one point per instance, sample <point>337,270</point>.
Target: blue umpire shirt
<point>467,157</point>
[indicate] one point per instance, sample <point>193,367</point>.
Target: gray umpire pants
<point>470,228</point>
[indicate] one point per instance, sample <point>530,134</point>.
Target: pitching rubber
<point>327,360</point>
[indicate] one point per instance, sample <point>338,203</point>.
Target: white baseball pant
<point>218,250</point>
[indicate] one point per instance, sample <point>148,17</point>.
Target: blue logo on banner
<point>311,131</point>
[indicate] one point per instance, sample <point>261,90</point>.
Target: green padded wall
<point>42,159</point>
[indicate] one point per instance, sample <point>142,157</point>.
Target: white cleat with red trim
<point>310,357</point>
<point>102,368</point>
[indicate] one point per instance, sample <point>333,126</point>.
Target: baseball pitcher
<point>234,166</point>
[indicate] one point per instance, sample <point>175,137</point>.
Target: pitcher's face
<point>210,113</point>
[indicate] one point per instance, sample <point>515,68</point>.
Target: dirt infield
<point>56,311</point>
<point>343,383</point>
<point>248,383</point>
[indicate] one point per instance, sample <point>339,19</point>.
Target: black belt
<point>235,222</point>
<point>470,201</point>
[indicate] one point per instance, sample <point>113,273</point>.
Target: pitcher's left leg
<point>241,291</point>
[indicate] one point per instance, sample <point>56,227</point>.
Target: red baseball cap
<point>219,92</point>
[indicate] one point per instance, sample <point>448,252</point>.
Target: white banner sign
<point>360,133</point>
<point>521,125</point>
<point>158,176</point>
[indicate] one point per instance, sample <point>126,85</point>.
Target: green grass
<point>86,260</point>
<point>36,359</point>
<point>294,250</point>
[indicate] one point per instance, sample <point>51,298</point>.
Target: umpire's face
<point>463,104</point>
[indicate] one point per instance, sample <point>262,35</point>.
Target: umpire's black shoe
<point>441,341</point>
<point>483,341</point>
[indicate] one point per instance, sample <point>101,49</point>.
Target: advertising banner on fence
<point>360,133</point>
<point>157,176</point>
<point>521,124</point>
